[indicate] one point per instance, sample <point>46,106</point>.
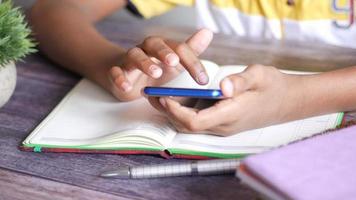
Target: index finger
<point>189,51</point>
<point>199,41</point>
<point>190,62</point>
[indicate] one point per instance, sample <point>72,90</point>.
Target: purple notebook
<point>322,167</point>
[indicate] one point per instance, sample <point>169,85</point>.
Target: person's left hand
<point>258,97</point>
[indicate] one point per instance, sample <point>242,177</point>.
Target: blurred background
<point>173,18</point>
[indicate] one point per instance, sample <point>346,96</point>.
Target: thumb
<point>234,85</point>
<point>200,40</point>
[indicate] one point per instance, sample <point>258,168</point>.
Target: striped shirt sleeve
<point>150,8</point>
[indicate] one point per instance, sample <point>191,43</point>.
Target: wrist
<point>297,99</point>
<point>311,96</point>
<point>330,92</point>
<point>101,73</point>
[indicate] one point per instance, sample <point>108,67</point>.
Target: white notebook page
<point>257,140</point>
<point>88,115</point>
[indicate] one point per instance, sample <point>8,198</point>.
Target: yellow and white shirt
<point>326,21</point>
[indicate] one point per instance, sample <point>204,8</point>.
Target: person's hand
<point>156,61</point>
<point>258,97</point>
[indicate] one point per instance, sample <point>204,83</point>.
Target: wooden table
<point>41,85</point>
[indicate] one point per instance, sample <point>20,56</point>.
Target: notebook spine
<point>72,150</point>
<point>164,154</point>
<point>192,157</point>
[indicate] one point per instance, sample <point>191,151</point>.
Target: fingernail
<point>156,71</point>
<point>126,86</point>
<point>172,60</point>
<point>203,78</point>
<point>227,87</point>
<point>162,101</point>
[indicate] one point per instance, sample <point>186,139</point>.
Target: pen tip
<point>118,173</point>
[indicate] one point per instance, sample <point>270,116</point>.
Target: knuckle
<point>170,108</point>
<point>257,68</point>
<point>163,52</point>
<point>112,70</point>
<point>144,63</point>
<point>192,126</point>
<point>181,48</point>
<point>258,71</point>
<point>234,78</point>
<point>237,80</point>
<point>263,69</point>
<point>133,51</point>
<point>150,41</point>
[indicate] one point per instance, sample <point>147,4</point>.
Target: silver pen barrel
<point>161,170</point>
<point>206,167</point>
<point>222,166</point>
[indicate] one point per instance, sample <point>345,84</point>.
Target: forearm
<point>66,34</point>
<point>328,92</point>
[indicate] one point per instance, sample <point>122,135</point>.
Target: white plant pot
<point>7,82</point>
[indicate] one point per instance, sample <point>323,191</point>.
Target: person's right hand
<point>156,61</point>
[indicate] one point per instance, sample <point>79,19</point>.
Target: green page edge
<point>37,147</point>
<point>340,117</point>
<point>93,147</point>
<point>205,154</point>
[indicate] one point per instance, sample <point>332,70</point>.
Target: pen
<point>191,168</point>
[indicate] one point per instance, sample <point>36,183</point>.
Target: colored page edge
<point>36,146</point>
<point>174,151</point>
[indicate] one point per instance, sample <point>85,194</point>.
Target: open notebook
<point>89,119</point>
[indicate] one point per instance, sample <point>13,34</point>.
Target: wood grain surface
<point>42,84</point>
<point>17,186</point>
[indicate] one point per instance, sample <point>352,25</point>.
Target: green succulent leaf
<point>15,42</point>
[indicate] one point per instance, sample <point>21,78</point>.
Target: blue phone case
<point>184,92</point>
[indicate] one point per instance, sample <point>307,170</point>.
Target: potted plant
<point>14,45</point>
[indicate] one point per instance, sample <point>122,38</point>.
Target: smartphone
<point>184,92</point>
